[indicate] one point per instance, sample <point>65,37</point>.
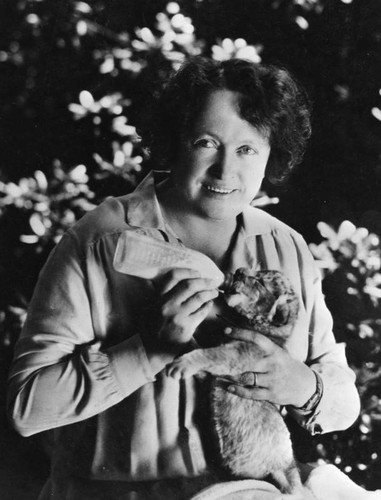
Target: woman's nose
<point>224,165</point>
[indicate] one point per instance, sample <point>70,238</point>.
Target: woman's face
<point>222,163</point>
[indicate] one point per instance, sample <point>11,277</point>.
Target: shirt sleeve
<point>60,374</point>
<point>339,406</point>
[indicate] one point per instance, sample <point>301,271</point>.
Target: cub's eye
<point>204,143</point>
<point>246,150</point>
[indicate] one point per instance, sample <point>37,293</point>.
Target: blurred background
<point>74,77</point>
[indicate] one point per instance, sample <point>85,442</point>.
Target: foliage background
<point>74,78</point>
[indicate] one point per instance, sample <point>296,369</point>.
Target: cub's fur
<point>252,439</point>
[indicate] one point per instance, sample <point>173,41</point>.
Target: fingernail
<point>228,330</point>
<point>231,388</point>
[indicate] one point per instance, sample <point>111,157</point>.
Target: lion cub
<point>251,438</point>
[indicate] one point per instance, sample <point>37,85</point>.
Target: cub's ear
<point>280,312</point>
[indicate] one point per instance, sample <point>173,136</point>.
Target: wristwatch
<point>314,400</point>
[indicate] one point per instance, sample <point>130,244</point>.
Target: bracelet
<point>314,400</point>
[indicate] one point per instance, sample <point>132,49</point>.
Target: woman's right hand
<point>185,300</point>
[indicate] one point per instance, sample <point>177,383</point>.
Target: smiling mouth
<point>214,189</point>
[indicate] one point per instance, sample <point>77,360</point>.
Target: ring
<point>249,379</point>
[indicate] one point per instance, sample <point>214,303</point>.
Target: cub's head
<point>265,298</point>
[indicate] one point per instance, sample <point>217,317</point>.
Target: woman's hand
<point>185,301</point>
<point>279,378</point>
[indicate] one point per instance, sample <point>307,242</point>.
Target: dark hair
<point>270,99</point>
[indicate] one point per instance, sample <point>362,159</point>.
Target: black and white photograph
<point>190,250</point>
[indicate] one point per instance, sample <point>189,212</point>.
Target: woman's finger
<point>169,280</point>
<point>255,393</point>
<point>258,377</point>
<point>240,334</point>
<point>196,301</point>
<point>188,289</point>
<point>252,379</point>
<point>201,313</point>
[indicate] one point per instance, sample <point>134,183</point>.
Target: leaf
<point>327,232</point>
<point>41,180</point>
<point>86,99</point>
<point>346,230</point>
<point>29,239</point>
<point>37,225</point>
<point>78,173</point>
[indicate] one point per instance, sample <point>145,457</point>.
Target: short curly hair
<point>270,99</point>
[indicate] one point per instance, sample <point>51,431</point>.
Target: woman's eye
<point>204,143</point>
<point>246,150</point>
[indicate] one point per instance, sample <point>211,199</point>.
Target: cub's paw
<point>182,367</point>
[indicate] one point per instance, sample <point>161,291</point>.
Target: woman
<point>90,361</point>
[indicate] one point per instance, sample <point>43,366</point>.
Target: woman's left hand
<point>278,377</point>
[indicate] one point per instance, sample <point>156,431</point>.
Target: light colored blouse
<point>80,366</point>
